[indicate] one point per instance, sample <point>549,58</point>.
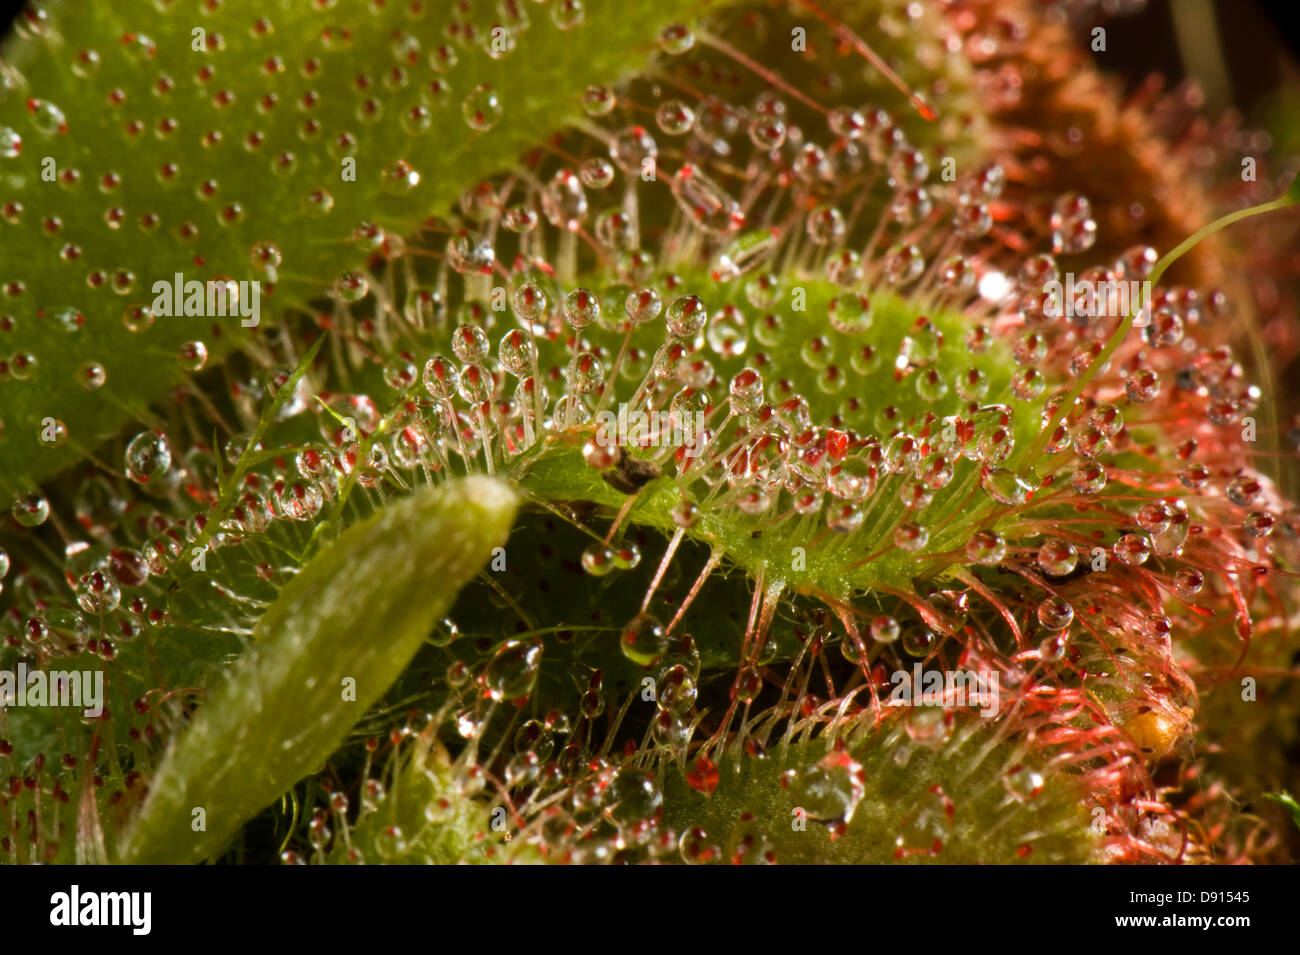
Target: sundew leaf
<point>424,820</point>
<point>329,646</point>
<point>839,567</point>
<point>141,141</point>
<point>967,799</point>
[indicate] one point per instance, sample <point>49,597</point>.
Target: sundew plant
<point>699,431</point>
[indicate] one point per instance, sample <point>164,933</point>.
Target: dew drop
<point>1056,558</point>
<point>138,317</point>
<point>1089,478</point>
<point>318,202</point>
<point>927,726</point>
<point>746,391</point>
<point>910,537</point>
<point>1138,262</point>
<point>400,374</point>
<point>885,629</point>
<point>47,118</point>
<point>919,640</point>
<point>399,178</point>
<point>920,346</point>
<point>986,547</point>
<point>1055,613</point>
<point>471,345</point>
<point>11,144</point>
<point>852,479</point>
<point>567,14</point>
<point>530,303</point>
<point>676,690</point>
<point>631,148</point>
<point>592,704</point>
<point>597,559</point>
<point>1142,386</point>
<point>633,797</point>
<point>31,509</point>
<point>1132,549</point>
<point>728,332</point>
<point>705,203</point>
<point>1187,582</point>
<point>598,101</point>
<point>931,386</point>
<point>148,457</point>
<point>1023,783</point>
<point>829,790</point>
<point>995,445</point>
<point>1004,486</point>
<point>596,173</point>
<point>581,308</point>
<point>767,133</point>
<point>584,374</point>
<point>22,365</point>
<point>445,633</point>
<point>469,253</point>
<point>1244,490</point>
<point>481,108</point>
<point>1028,383</point>
<point>1259,524</point>
<point>676,39</point>
<point>512,672</point>
<point>643,305</point>
<point>1052,649</point>
<point>299,501</point>
<point>1194,477</point>
<point>1107,419</point>
<point>825,225</point>
<point>627,556</point>
<point>1154,517</point>
<point>521,219</point>
<point>517,352</point>
<point>850,314</point>
<point>441,377</point>
<point>192,356</point>
<point>674,118</point>
<point>97,594</point>
<point>644,640</point>
<point>929,825</point>
<point>686,317</point>
<point>903,264</point>
<point>68,318</point>
<point>911,206</point>
<point>476,384</point>
<point>352,286</point>
<point>685,514</point>
<point>1073,228</point>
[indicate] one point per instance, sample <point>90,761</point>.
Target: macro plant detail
<point>554,432</point>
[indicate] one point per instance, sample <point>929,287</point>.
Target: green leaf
<point>347,624</point>
<point>82,249</point>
